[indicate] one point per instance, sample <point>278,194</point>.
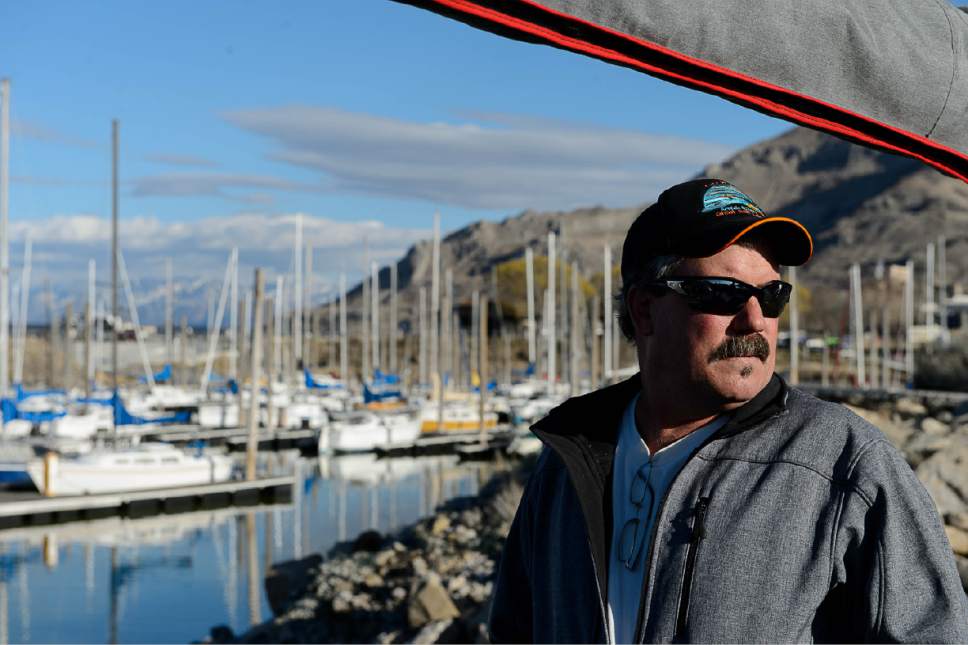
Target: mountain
<point>861,206</point>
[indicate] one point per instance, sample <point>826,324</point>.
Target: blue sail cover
<point>124,418</point>
<point>371,395</point>
<point>383,387</point>
<point>491,386</point>
<point>11,412</point>
<point>26,394</point>
<point>160,377</point>
<point>313,384</point>
<point>379,378</point>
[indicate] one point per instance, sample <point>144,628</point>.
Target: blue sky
<point>364,115</point>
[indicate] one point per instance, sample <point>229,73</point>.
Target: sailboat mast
<point>114,267</point>
<point>89,329</point>
<point>18,367</point>
<point>234,318</point>
<point>529,262</point>
<point>393,319</point>
<point>552,348</point>
<point>435,305</point>
<point>4,241</point>
<point>858,318</point>
<point>607,323</point>
<point>169,314</point>
<point>297,292</point>
<point>344,354</point>
<point>375,314</point>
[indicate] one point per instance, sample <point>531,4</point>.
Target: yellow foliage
<point>512,285</point>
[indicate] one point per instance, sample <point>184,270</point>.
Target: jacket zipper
<point>698,534</point>
<point>640,632</point>
<point>601,596</point>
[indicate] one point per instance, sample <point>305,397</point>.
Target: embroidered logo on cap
<point>724,199</point>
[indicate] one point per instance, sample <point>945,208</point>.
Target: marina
<point>280,304</point>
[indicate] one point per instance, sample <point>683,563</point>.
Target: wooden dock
<point>33,510</point>
<point>235,439</point>
<point>464,442</point>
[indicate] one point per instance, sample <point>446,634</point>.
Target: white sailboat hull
<point>128,470</point>
<point>367,431</point>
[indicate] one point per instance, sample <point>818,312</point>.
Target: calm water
<point>171,578</point>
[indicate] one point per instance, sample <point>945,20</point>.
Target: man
<point>704,499</point>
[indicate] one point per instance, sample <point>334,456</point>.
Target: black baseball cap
<point>700,218</point>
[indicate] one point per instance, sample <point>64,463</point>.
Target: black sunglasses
<point>727,296</point>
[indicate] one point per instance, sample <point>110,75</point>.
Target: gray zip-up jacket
<point>797,521</point>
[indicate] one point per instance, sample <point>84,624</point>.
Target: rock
<point>945,475</point>
<point>286,581</point>
<point>921,446</point>
<point>420,568</point>
<point>933,426</point>
<point>341,584</point>
<point>957,520</point>
<point>373,581</point>
<point>895,429</point>
<point>342,603</point>
<point>370,541</point>
<point>457,586</point>
<point>398,593</point>
<point>463,535</point>
<point>434,632</point>
<point>945,416</point>
<point>910,408</point>
<point>431,603</point>
<point>385,638</point>
<point>958,539</point>
<point>222,634</point>
<point>962,570</point>
<point>471,517</point>
<point>441,525</point>
<point>383,558</point>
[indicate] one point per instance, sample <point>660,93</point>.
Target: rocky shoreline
<point>430,582</point>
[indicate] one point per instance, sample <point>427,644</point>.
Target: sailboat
<point>115,467</point>
<point>141,467</point>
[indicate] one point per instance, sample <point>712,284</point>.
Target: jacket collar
<point>595,417</point>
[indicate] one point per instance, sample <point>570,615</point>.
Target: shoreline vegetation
<point>431,581</point>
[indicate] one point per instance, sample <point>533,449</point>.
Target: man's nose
<point>750,318</point>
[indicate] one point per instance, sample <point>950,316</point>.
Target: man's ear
<point>639,303</point>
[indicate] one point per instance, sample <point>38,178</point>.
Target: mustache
<point>753,345</point>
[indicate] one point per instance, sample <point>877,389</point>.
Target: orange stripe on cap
<point>766,221</point>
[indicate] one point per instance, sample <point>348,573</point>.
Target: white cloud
<point>180,160</point>
<point>40,132</point>
<point>199,249</point>
<point>204,184</point>
<point>487,161</point>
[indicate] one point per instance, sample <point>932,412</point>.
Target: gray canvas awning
<point>890,74</point>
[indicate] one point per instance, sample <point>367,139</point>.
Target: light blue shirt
<point>631,456</point>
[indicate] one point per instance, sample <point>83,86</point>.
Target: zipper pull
<point>699,524</point>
